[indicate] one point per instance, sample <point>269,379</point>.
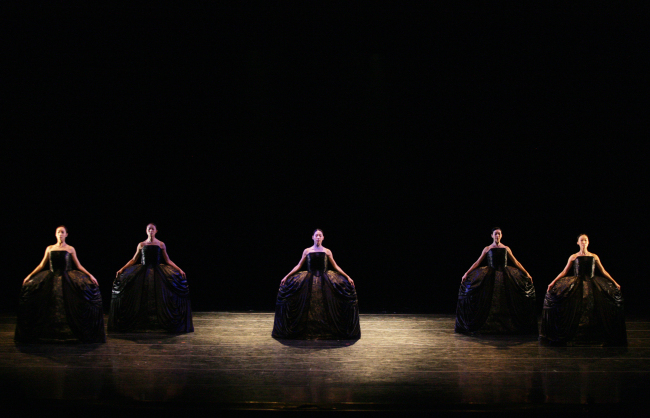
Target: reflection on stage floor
<point>401,362</point>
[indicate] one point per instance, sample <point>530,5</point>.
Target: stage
<point>401,363</point>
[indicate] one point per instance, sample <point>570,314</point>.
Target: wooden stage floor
<point>401,363</point>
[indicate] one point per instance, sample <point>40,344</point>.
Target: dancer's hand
<point>283,280</point>
<point>351,282</point>
<point>94,280</point>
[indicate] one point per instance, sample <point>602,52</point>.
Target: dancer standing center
<point>497,299</point>
<point>317,303</point>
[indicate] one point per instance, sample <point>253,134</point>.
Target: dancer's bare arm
<point>517,263</point>
<point>337,268</point>
<point>168,261</point>
<point>131,261</point>
<point>564,272</point>
<point>477,263</point>
<point>295,269</point>
<point>40,267</point>
<point>73,252</point>
<point>602,269</point>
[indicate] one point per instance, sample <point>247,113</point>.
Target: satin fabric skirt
<point>317,305</point>
<point>60,306</point>
<point>583,311</point>
<point>150,298</point>
<point>496,302</point>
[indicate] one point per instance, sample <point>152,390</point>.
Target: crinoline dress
<point>317,304</point>
<point>60,304</point>
<point>583,309</point>
<point>496,299</point>
<point>150,296</point>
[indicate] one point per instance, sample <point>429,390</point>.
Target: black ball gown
<point>496,299</point>
<point>317,304</point>
<point>150,297</point>
<point>583,309</point>
<point>60,304</point>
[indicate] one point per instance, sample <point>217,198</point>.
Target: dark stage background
<point>405,133</point>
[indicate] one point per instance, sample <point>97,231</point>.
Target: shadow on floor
<point>498,341</point>
<point>146,337</point>
<point>317,344</point>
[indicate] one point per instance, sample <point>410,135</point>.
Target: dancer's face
<point>583,242</point>
<point>318,237</point>
<point>61,233</point>
<point>151,230</point>
<point>496,235</point>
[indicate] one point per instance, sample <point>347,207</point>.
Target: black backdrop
<point>405,133</point>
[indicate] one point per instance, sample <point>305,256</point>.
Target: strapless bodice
<point>316,262</point>
<point>584,266</point>
<point>150,255</point>
<point>497,258</point>
<point>60,261</point>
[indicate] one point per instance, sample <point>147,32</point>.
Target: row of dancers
<point>585,307</point>
<point>60,299</point>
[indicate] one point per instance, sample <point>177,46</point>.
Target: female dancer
<point>584,308</point>
<point>497,298</point>
<point>317,303</point>
<point>60,299</point>
<point>148,295</point>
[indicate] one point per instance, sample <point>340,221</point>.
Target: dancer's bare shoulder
<point>156,243</point>
<point>56,247</point>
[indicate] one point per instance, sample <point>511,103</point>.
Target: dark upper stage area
<point>404,132</point>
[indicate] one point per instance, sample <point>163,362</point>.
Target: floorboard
<point>401,363</point>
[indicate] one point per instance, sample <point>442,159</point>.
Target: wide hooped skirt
<point>583,311</point>
<point>150,298</point>
<point>60,306</point>
<point>317,305</point>
<point>496,302</point>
